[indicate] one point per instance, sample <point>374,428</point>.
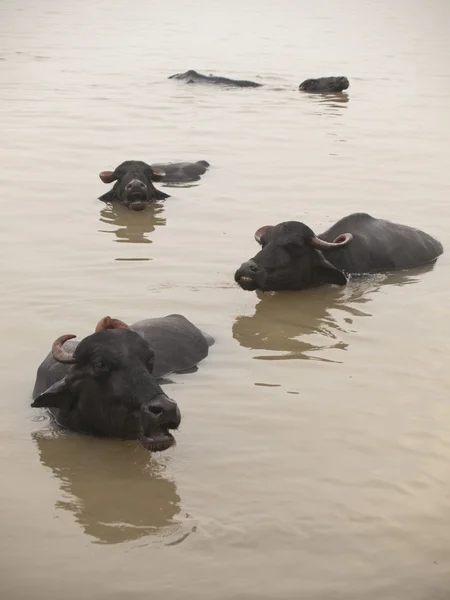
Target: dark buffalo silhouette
<point>293,257</point>
<point>134,179</point>
<point>106,385</point>
<point>324,85</point>
<point>321,85</point>
<point>192,76</point>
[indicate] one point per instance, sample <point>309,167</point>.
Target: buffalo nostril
<point>162,411</point>
<point>155,410</point>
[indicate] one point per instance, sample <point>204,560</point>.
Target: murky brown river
<point>314,456</point>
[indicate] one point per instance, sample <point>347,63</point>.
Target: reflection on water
<point>332,106</point>
<point>129,226</point>
<point>304,324</point>
<point>292,324</point>
<point>115,490</point>
<point>334,99</point>
<point>330,103</point>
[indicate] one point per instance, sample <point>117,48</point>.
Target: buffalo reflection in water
<point>129,226</point>
<point>310,323</point>
<point>115,491</point>
<point>332,105</point>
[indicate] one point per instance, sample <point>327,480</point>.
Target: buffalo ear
<point>327,273</point>
<point>157,174</point>
<point>56,396</point>
<point>109,196</point>
<point>108,176</point>
<point>261,231</point>
<point>159,195</point>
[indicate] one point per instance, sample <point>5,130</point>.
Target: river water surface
<point>314,456</point>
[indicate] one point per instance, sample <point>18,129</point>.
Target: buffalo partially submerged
<point>293,257</point>
<point>192,76</point>
<point>324,85</point>
<point>321,85</point>
<point>106,384</point>
<point>133,185</point>
<point>134,179</point>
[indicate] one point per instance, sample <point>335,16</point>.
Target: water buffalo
<point>324,85</point>
<point>133,184</point>
<point>106,384</point>
<point>134,179</point>
<point>192,76</point>
<point>293,257</point>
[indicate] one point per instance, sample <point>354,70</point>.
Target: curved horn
<point>341,240</point>
<point>108,176</point>
<point>59,353</point>
<point>108,323</point>
<point>259,233</point>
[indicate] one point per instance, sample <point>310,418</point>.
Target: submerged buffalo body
<point>106,384</point>
<point>192,76</point>
<point>182,172</point>
<point>293,257</point>
<point>324,85</point>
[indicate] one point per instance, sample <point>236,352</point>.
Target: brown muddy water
<point>314,456</point>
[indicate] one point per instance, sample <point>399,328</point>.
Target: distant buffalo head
<point>324,85</point>
<point>291,258</point>
<point>108,389</point>
<point>134,184</point>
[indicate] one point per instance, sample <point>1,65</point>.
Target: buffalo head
<point>134,184</point>
<point>291,258</point>
<point>325,85</point>
<point>107,387</point>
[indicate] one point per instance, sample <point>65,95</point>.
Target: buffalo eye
<point>295,247</point>
<point>100,367</point>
